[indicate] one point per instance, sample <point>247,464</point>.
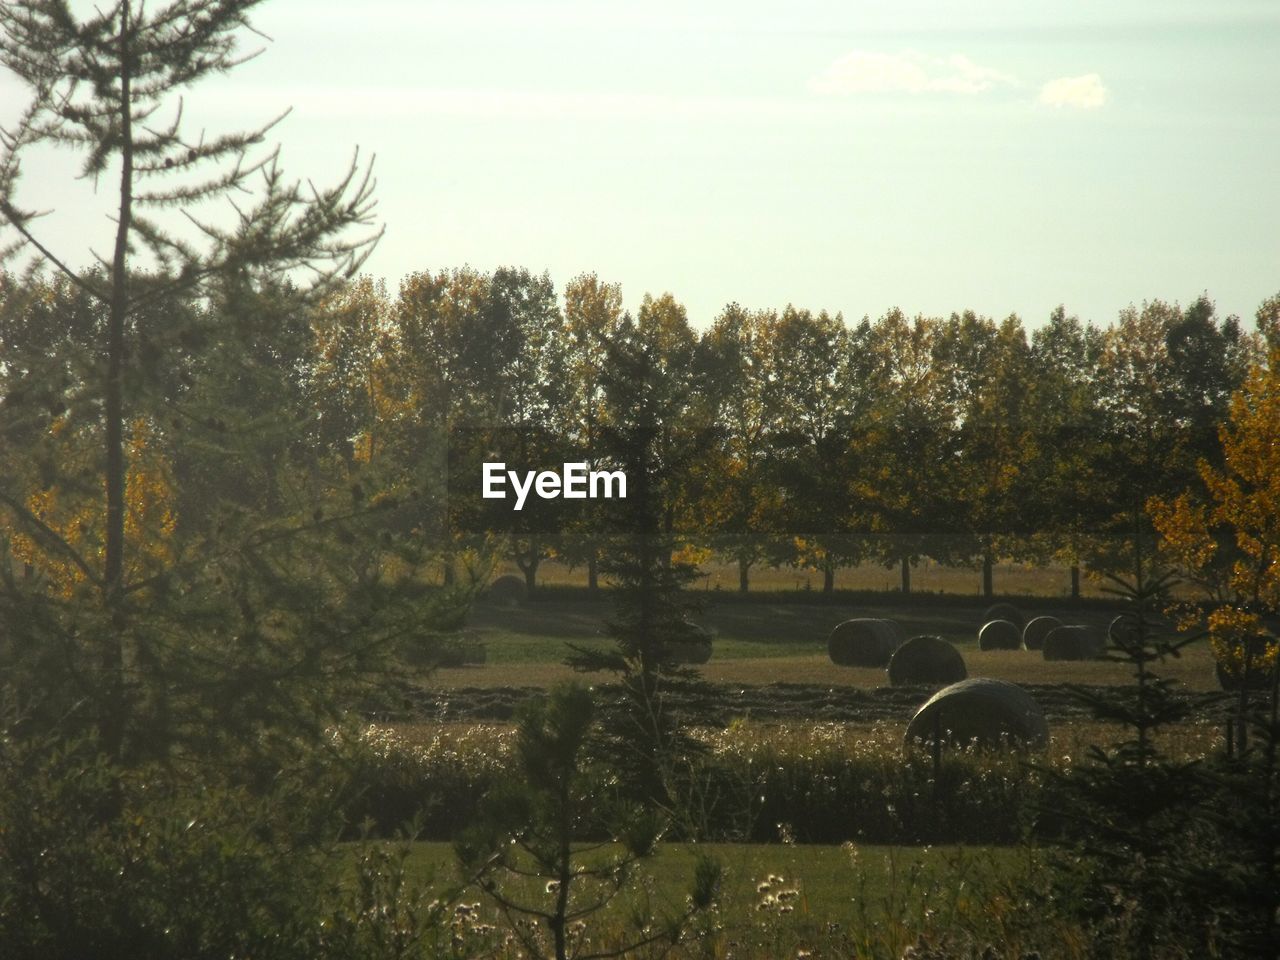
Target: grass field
<point>791,901</point>
<point>1011,579</point>
<point>762,642</point>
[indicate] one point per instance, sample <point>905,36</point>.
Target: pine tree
<point>652,606</point>
<point>261,609</point>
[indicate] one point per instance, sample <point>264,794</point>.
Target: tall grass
<point>808,782</point>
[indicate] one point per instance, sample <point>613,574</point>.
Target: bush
<point>101,861</point>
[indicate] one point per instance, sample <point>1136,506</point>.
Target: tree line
<point>782,437</point>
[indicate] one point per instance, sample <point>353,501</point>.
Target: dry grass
<point>1013,579</point>
<point>1193,670</point>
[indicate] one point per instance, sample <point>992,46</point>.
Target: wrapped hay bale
<point>990,713</point>
<point>694,646</point>
<point>1074,642</point>
<point>1123,630</point>
<point>1036,630</point>
<point>926,659</point>
<point>1000,635</point>
<point>1005,611</point>
<point>864,642</point>
<point>462,653</point>
<point>508,591</point>
<point>1249,668</point>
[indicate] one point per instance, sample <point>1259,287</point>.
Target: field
<point>786,900</point>
<point>858,847</point>
<point>761,641</point>
<point>1010,578</point>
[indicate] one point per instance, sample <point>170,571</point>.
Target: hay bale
<point>1074,642</point>
<point>990,713</point>
<point>926,659</point>
<point>1000,635</point>
<point>462,653</point>
<point>693,646</point>
<point>508,591</point>
<point>1036,630</point>
<point>1005,611</point>
<point>1256,676</point>
<point>864,642</point>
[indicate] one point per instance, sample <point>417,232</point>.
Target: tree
<point>108,85</point>
<point>739,501</point>
<point>1065,357</point>
<point>1133,813</point>
<point>652,606</point>
<point>592,316</point>
<point>1228,542</point>
<point>559,820</point>
<point>904,447</point>
<point>990,373</point>
<point>812,396</point>
<point>533,393</point>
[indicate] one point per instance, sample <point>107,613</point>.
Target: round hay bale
<point>1073,642</point>
<point>990,713</point>
<point>864,642</point>
<point>462,653</point>
<point>508,591</point>
<point>1123,630</point>
<point>1036,630</point>
<point>694,646</point>
<point>1005,611</point>
<point>1000,635</point>
<point>926,660</point>
<point>1256,676</point>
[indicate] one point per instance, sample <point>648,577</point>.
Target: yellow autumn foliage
<point>1243,509</point>
<point>79,519</point>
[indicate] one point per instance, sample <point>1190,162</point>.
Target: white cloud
<point>1086,92</point>
<point>869,71</point>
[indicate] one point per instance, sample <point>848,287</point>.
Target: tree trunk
<point>987,564</point>
<point>828,576</point>
<point>113,721</point>
<point>906,575</point>
<point>744,568</point>
<point>1075,581</point>
<point>593,572</point>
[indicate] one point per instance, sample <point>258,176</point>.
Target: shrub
<point>100,861</point>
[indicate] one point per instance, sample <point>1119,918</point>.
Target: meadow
<point>835,839</point>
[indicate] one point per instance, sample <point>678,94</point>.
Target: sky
<point>852,156</point>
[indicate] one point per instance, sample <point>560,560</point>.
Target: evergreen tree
<point>652,606</point>
<point>271,600</point>
<point>535,825</point>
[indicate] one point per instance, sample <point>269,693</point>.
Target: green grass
<point>764,642</point>
<point>784,900</point>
